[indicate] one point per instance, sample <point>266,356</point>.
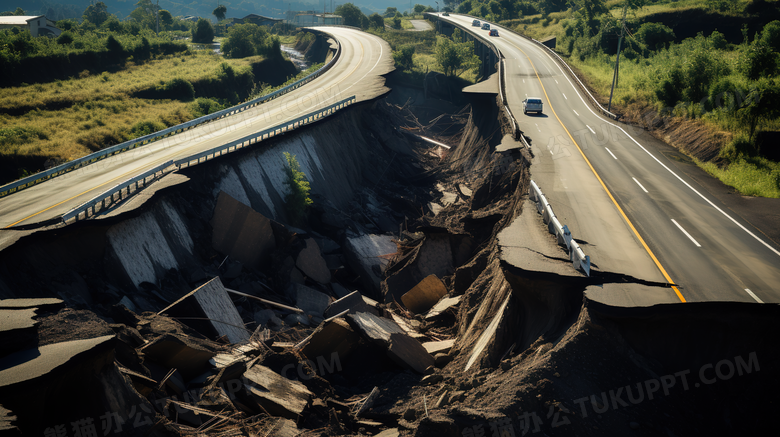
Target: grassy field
<point>67,119</point>
<point>753,176</point>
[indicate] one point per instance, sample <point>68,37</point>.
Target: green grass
<point>67,119</point>
<point>750,176</point>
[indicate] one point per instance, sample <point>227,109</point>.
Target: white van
<point>532,104</point>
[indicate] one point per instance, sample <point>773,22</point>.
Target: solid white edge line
<point>640,185</point>
<point>610,152</point>
<point>753,296</point>
<point>767,245</point>
<point>686,233</point>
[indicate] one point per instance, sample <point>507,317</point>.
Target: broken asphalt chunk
<point>334,336</point>
<point>241,232</point>
<point>18,330</point>
<point>175,353</point>
<point>278,395</point>
<point>353,302</point>
<point>309,300</point>
<point>312,264</point>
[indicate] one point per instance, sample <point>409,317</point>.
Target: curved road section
<point>636,212</point>
<point>358,72</point>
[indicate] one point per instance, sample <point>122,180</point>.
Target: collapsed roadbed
<point>423,296</point>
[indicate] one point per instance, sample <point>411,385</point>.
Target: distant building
<point>261,20</point>
<point>190,18</point>
<point>38,25</point>
<point>312,19</point>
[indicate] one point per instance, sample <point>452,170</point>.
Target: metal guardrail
<point>264,134</point>
<point>561,232</point>
<point>107,198</point>
<point>69,166</point>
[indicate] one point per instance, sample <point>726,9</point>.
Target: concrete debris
<point>175,353</point>
<point>309,300</point>
<point>465,190</point>
<point>408,352</point>
<point>435,208</point>
<point>128,304</point>
<point>6,423</point>
<point>219,310</point>
<point>368,402</point>
<point>241,232</point>
<point>392,432</point>
<point>312,264</point>
<point>334,336</point>
<point>278,395</point>
<point>424,295</point>
<point>438,347</point>
<point>442,306</point>
<point>406,325</point>
<point>375,328</point>
<point>339,290</point>
<point>353,302</point>
<point>296,319</point>
<point>368,255</point>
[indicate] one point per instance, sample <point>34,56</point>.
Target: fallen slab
<point>175,353</point>
<point>241,232</point>
<point>277,394</point>
<point>375,328</point>
<point>401,348</point>
<point>424,295</point>
<point>333,336</point>
<point>368,255</point>
<point>215,303</point>
<point>309,300</point>
<point>312,264</point>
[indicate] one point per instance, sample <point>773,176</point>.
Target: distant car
<point>475,23</point>
<point>493,32</point>
<point>532,104</point>
<point>486,26</point>
<point>446,14</point>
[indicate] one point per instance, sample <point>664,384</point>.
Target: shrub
<point>65,38</point>
<point>203,106</point>
<point>203,32</point>
<point>145,128</point>
<point>297,200</point>
<point>178,89</point>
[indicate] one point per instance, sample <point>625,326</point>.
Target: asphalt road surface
<point>358,72</point>
<point>636,211</point>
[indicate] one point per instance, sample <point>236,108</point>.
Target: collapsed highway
<point>200,306</point>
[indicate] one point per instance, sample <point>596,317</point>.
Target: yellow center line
<point>587,161</point>
<point>170,155</point>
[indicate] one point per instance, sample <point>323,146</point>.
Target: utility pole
<point>617,60</point>
<point>157,27</point>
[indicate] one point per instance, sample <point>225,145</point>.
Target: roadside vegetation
<point>714,62</point>
<point>105,81</point>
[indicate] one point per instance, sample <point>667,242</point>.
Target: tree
<point>404,57</point>
<point>464,7</point>
<point>418,8</point>
<point>245,40</point>
<point>762,103</point>
<point>166,19</point>
<point>397,23</point>
<point>389,13</point>
<point>19,12</point>
<point>655,36</point>
<point>219,12</point>
<point>377,21</point>
<point>144,14</point>
<point>96,14</point>
<point>771,35</point>
<point>455,58</point>
<point>116,52</point>
<point>352,15</point>
<point>203,32</point>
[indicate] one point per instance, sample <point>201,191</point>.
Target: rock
<point>633,425</point>
<point>232,270</point>
<point>431,379</point>
<point>339,290</point>
<point>278,395</point>
<point>465,190</point>
<point>424,295</point>
<point>506,365</point>
<point>334,262</point>
<point>265,317</point>
<point>392,432</point>
<point>441,360</point>
<point>309,300</point>
<point>401,348</point>
<point>296,319</point>
<point>410,414</point>
<point>327,245</point>
<point>311,263</point>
